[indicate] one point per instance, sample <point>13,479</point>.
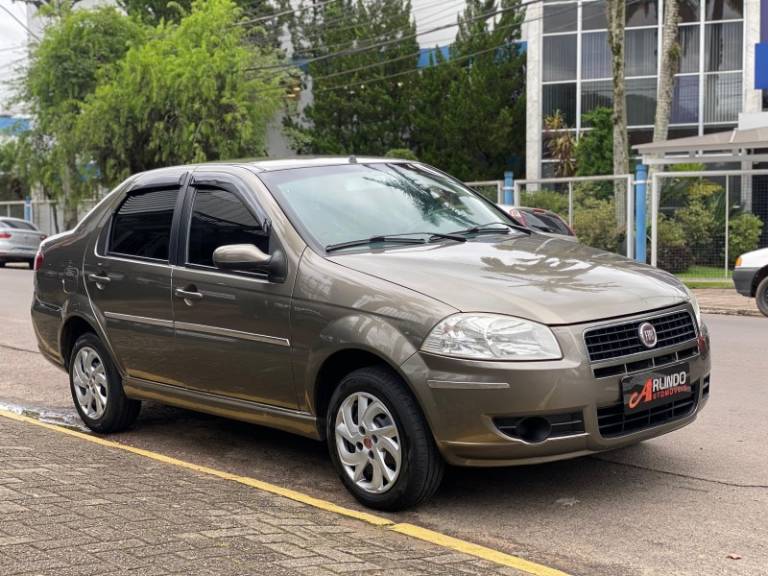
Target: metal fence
<point>600,212</point>
<point>492,190</point>
<point>702,221</point>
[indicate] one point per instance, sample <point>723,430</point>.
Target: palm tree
<point>616,22</point>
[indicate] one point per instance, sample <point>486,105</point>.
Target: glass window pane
<point>689,10</point>
<point>685,101</point>
<point>723,47</point>
<point>724,9</point>
<point>142,225</point>
<point>722,98</point>
<point>639,136</point>
<point>595,56</point>
<point>560,17</point>
<point>595,95</point>
<point>560,97</point>
<point>642,13</point>
<point>219,218</point>
<point>640,50</point>
<point>641,101</point>
<point>688,36</point>
<point>682,133</point>
<point>593,16</point>
<point>559,58</point>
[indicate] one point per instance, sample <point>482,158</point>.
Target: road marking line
<point>411,530</point>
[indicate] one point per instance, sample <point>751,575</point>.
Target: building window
<point>642,13</point>
<point>724,9</point>
<point>722,97</point>
<point>595,56</point>
<point>560,17</point>
<point>560,58</point>
<point>685,103</point>
<point>688,37</point>
<point>593,16</point>
<point>723,47</point>
<point>640,52</point>
<point>689,10</point>
<point>560,97</point>
<point>595,95</point>
<point>641,101</point>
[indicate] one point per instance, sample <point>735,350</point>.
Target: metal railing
<point>493,190</point>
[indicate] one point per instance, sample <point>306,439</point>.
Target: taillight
<point>38,259</point>
<point>5,235</point>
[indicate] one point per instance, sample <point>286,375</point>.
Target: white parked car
<point>19,241</point>
<point>751,277</point>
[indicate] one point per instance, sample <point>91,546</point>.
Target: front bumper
<point>743,279</point>
<point>465,400</point>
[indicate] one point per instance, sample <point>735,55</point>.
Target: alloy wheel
<point>368,442</point>
<point>90,382</point>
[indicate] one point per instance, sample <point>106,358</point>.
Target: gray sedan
<point>19,241</point>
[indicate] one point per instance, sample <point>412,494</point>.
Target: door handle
<point>188,294</point>
<point>99,279</point>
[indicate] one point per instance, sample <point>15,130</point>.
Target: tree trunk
<point>616,22</point>
<point>69,197</point>
<point>670,63</point>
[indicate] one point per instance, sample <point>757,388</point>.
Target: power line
<point>357,50</point>
<point>19,22</point>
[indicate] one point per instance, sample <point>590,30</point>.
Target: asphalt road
<point>677,505</point>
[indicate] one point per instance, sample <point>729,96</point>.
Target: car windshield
<point>337,204</point>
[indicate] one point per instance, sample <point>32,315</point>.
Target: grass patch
<point>706,273</point>
<point>692,284</point>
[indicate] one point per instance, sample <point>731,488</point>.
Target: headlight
<point>695,305</point>
<point>492,337</point>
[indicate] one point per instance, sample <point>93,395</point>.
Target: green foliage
<point>470,113</point>
<point>12,187</point>
<point>155,11</point>
<point>401,153</point>
<point>743,235</point>
<point>561,144</point>
<point>673,253</point>
<point>358,112</point>
<point>595,224</point>
<point>594,152</point>
<point>547,199</point>
<point>182,96</point>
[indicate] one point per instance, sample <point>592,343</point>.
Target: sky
<point>13,40</point>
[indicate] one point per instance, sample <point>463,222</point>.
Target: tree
<point>561,144</point>
<point>185,95</point>
<point>64,69</point>
<point>594,152</point>
<point>353,48</point>
<point>469,111</point>
<point>616,23</point>
<point>670,63</point>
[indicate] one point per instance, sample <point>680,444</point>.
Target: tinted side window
<point>220,218</point>
<point>142,225</point>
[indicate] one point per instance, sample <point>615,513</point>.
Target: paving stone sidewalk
<point>726,301</point>
<point>69,507</point>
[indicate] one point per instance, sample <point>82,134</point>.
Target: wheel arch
<point>74,327</point>
<point>759,277</point>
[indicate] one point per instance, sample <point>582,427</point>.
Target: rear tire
<point>2,264</point>
<point>761,296</point>
<point>386,457</point>
<point>31,264</point>
<point>97,388</point>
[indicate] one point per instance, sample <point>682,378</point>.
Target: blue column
<point>509,187</point>
<point>641,174</point>
<point>28,209</point>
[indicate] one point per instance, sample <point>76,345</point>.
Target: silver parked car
<point>19,241</point>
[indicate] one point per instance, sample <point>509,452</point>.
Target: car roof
<point>273,165</point>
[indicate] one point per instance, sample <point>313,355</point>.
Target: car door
<point>232,331</point>
<point>127,274</point>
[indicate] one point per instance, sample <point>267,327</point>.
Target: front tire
<point>761,296</point>
<point>380,443</point>
<point>97,388</point>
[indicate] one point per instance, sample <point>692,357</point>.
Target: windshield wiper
<point>441,235</point>
<point>392,238</point>
<point>485,228</point>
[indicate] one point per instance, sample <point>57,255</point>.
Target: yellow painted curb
<point>411,530</point>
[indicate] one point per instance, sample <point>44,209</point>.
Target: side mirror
<point>248,257</point>
<point>240,257</point>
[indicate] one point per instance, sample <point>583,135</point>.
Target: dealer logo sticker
<point>647,334</point>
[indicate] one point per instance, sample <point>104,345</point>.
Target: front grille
<point>646,363</point>
<point>563,424</point>
<point>623,339</point>
<point>612,421</point>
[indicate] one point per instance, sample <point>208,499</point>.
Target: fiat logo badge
<point>647,334</point>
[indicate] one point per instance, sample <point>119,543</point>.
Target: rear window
<point>141,227</point>
<point>17,224</point>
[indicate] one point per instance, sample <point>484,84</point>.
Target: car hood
<point>537,277</point>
